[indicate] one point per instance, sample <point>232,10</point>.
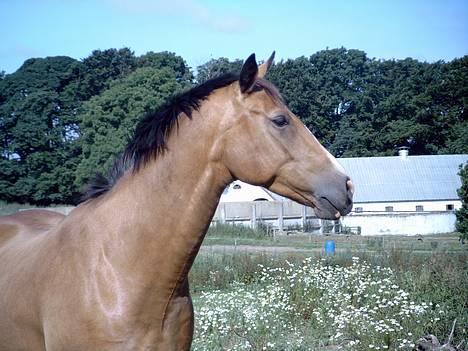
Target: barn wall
<point>408,206</point>
<point>403,223</point>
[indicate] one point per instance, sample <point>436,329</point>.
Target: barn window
<point>388,208</point>
<point>449,207</point>
<point>358,209</point>
<point>419,208</point>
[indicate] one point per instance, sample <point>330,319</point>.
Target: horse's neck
<point>155,219</point>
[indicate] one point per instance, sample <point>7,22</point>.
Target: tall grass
<point>231,290</point>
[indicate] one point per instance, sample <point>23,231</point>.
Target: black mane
<point>151,132</point>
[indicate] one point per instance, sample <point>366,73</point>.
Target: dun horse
<point>112,275</point>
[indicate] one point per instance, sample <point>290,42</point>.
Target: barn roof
<point>396,178</point>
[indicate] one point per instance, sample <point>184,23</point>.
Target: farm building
<point>405,183</point>
<point>394,195</point>
<point>404,194</point>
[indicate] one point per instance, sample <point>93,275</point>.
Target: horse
<point>112,275</point>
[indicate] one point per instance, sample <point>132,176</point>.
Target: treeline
<point>62,120</point>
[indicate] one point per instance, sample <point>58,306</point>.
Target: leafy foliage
<point>217,67</point>
<point>358,106</point>
<point>38,130</point>
<point>108,120</point>
<point>462,213</point>
<point>62,119</point>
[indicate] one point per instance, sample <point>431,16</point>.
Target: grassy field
<point>238,235</point>
<point>253,292</point>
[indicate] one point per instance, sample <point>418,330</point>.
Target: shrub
<point>462,213</point>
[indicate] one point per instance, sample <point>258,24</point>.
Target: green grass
<point>223,234</point>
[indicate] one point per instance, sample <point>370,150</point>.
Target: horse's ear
<point>265,66</point>
<point>248,74</point>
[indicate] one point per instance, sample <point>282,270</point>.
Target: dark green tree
<point>358,106</point>
<point>323,90</point>
<point>102,66</point>
<point>160,60</point>
<point>108,120</point>
<point>38,130</point>
<point>462,213</point>
<point>217,67</point>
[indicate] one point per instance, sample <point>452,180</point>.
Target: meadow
<point>253,292</point>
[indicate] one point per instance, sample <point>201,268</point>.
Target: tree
<point>358,106</point>
<point>108,120</point>
<point>102,66</point>
<point>462,213</point>
<point>217,67</point>
<point>169,60</point>
<point>324,90</point>
<point>38,130</point>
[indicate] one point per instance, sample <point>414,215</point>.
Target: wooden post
<point>304,218</point>
<point>280,217</point>
<point>222,213</point>
<point>321,226</point>
<point>253,219</point>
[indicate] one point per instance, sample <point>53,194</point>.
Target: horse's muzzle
<point>336,200</point>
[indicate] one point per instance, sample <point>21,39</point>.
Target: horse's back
<point>29,222</point>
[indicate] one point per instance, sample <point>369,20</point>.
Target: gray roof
<point>414,178</point>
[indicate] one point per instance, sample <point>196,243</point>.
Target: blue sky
<point>202,29</point>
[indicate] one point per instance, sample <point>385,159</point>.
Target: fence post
<point>253,219</point>
<point>304,218</point>
<point>222,213</point>
<point>280,217</point>
<point>321,226</point>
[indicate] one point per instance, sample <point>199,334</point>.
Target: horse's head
<point>266,144</point>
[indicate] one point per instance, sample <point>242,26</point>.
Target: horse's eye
<point>280,121</point>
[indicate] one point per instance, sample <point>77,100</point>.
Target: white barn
<point>404,194</point>
<point>405,183</point>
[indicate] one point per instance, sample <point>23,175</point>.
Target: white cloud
<point>189,9</point>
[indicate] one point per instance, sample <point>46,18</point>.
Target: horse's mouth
<point>323,208</point>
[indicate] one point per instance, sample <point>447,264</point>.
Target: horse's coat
<point>112,275</point>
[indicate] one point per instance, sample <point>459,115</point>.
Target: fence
<point>280,216</point>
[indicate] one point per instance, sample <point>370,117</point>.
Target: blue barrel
<point>329,247</point>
